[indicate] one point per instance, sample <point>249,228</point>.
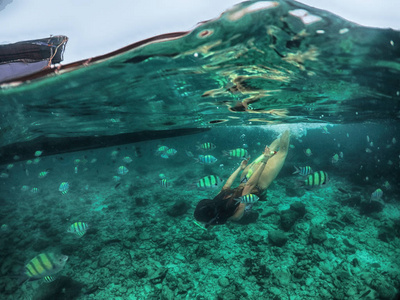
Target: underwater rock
<point>384,289</point>
<point>368,206</point>
<point>104,259</point>
<point>141,272</point>
<point>282,276</point>
<point>298,207</point>
<point>248,218</point>
<point>223,282</point>
<point>277,238</point>
<point>141,201</point>
<point>158,275</point>
<point>386,234</point>
<point>293,192</point>
<point>166,293</point>
<point>178,209</point>
<point>317,235</point>
<point>288,218</point>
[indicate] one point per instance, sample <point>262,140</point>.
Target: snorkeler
<point>255,179</point>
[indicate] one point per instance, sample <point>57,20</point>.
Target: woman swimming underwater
<point>255,179</point>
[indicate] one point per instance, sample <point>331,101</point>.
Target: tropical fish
<point>394,140</point>
<point>164,183</point>
<point>239,153</point>
<point>341,154</point>
<point>127,160</point>
<point>35,190</point>
<point>376,195</point>
<point>10,166</point>
<point>206,146</point>
<point>368,139</point>
<point>303,170</point>
<point>316,179</point>
<point>335,158</point>
<point>49,279</point>
<point>43,174</point>
<point>206,159</point>
<point>42,265</point>
<point>116,178</point>
<point>368,150</point>
<point>114,154</point>
<point>387,185</point>
<point>171,152</point>
<point>161,149</point>
<point>78,228</point>
<point>325,130</point>
<point>308,152</point>
<point>24,188</point>
<point>64,187</point>
<point>249,198</point>
<point>209,182</point>
<point>38,153</point>
<point>122,170</point>
<point>164,155</point>
<point>4,175</point>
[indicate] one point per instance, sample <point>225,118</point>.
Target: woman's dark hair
<point>216,211</point>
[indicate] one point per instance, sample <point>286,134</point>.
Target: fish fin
<point>297,170</point>
<point>225,153</point>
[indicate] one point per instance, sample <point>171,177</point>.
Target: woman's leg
<point>273,147</point>
<point>275,163</point>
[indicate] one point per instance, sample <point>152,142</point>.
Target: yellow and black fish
<point>316,179</point>
<point>78,228</point>
<point>43,265</point>
<point>236,153</point>
<point>209,182</point>
<point>206,147</point>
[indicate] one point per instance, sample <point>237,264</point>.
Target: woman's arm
<point>232,178</point>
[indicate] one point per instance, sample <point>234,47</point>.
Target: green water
<point>237,81</point>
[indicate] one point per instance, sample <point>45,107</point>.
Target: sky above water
<point>96,27</point>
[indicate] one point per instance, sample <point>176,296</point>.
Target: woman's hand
<point>244,162</point>
<point>268,153</point>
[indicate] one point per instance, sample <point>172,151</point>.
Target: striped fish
<point>316,179</point>
<point>164,183</point>
<point>78,228</point>
<point>209,182</point>
<point>49,278</point>
<point>303,171</point>
<point>64,187</point>
<point>376,195</point>
<point>249,198</point>
<point>206,147</point>
<point>44,264</point>
<point>237,153</point>
<point>171,152</point>
<point>206,159</point>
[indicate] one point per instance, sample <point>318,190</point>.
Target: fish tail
<point>297,170</point>
<point>225,153</point>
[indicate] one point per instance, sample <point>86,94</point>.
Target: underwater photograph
<point>254,156</point>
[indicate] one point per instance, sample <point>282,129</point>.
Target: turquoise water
<point>237,81</point>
